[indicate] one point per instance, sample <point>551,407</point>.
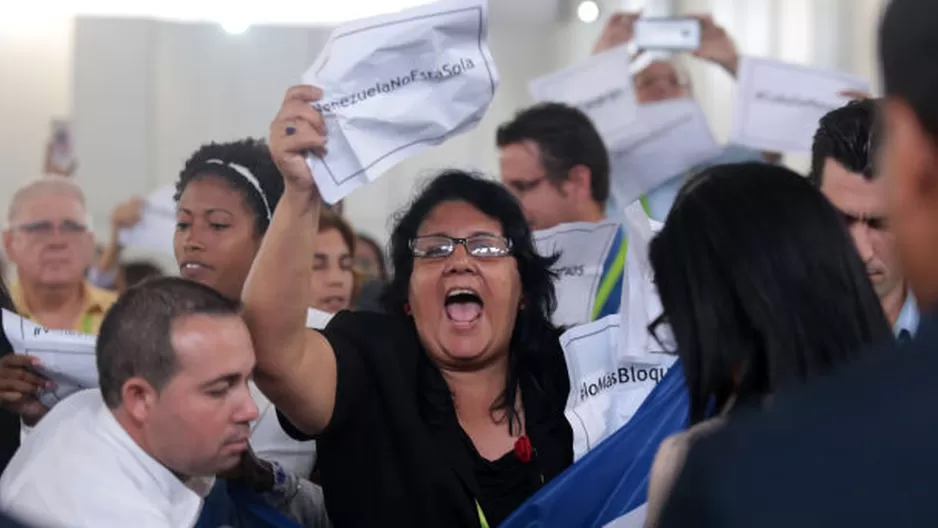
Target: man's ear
<point>579,182</point>
<point>138,398</point>
<point>8,244</point>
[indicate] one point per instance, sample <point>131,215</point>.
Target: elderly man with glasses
<point>48,240</point>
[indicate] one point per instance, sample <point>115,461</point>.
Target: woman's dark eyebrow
<point>207,211</point>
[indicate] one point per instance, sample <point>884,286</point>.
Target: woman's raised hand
<point>298,130</point>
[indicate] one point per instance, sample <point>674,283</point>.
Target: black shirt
<point>394,452</point>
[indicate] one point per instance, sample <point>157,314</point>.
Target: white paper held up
<point>154,231</point>
<point>667,140</point>
<point>583,247</point>
<point>778,105</point>
<point>395,85</point>
<point>609,377</point>
<point>600,86</point>
<point>67,357</point>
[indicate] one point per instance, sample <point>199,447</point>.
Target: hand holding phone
<point>675,34</point>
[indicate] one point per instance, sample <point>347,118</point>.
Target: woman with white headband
<point>225,195</point>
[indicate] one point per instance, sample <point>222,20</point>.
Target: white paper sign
<point>317,319</point>
<point>609,378</point>
<point>67,357</point>
<point>395,85</point>
<point>600,86</point>
<point>633,519</point>
<point>583,247</point>
<point>154,231</point>
<point>667,140</point>
<point>778,105</point>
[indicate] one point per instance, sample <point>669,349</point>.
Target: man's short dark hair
<point>848,135</point>
<point>908,45</point>
<point>566,138</point>
<point>136,335</point>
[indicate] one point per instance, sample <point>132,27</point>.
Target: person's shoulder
<point>368,329</point>
<point>876,413</point>
<point>669,461</point>
<point>73,502</point>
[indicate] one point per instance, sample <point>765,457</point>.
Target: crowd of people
<point>296,373</point>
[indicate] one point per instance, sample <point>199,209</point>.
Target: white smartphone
<point>667,33</point>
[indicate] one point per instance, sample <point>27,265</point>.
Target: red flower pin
<point>523,449</point>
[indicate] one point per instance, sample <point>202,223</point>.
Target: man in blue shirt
<point>842,166</point>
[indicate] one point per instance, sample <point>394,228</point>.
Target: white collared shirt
<point>908,316</point>
<point>79,468</point>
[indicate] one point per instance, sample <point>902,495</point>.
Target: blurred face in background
<point>658,82</point>
<point>863,205</point>
<point>49,240</point>
<point>545,203</point>
<point>332,281</point>
<point>368,260</point>
<point>215,240</point>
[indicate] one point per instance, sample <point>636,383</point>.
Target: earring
<point>407,308</point>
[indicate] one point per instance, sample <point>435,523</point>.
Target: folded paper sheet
<point>778,105</point>
<point>600,86</point>
<point>67,357</point>
<point>667,140</point>
<point>154,232</point>
<point>395,85</point>
<point>583,248</point>
<point>613,364</point>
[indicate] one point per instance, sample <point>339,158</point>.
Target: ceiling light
<point>588,11</point>
<point>235,27</point>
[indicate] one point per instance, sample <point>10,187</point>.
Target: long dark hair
<point>533,328</point>
<point>761,284</point>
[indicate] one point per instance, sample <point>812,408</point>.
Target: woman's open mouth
<point>463,306</point>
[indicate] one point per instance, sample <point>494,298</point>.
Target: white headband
<point>243,171</point>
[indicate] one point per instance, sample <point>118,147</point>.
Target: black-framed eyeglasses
<point>660,331</point>
<point>441,246</point>
<point>46,228</point>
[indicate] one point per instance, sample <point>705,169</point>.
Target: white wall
<point>35,69</point>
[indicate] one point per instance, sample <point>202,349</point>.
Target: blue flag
<point>612,479</point>
<point>232,505</point>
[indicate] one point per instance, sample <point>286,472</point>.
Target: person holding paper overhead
<point>447,410</point>
<point>842,166</point>
<point>664,80</point>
